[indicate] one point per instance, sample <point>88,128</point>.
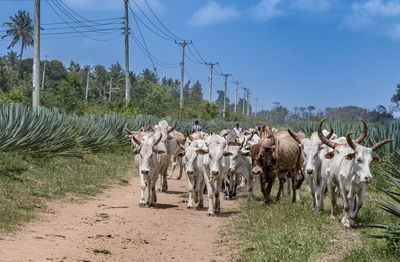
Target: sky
<point>325,53</point>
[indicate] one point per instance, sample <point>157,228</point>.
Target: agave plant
<point>390,232</point>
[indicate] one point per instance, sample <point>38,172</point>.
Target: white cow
<point>349,172</point>
<point>240,165</point>
<point>216,166</point>
<point>194,166</point>
<point>313,153</point>
<point>150,160</point>
<point>169,141</point>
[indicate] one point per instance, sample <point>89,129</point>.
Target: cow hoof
<point>142,204</point>
<point>179,178</point>
<point>226,197</point>
<point>210,213</point>
<point>200,206</point>
<point>152,204</point>
<point>216,212</point>
<point>158,189</point>
<point>189,207</point>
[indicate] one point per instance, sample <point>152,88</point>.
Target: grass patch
<point>293,232</point>
<point>27,182</point>
<point>102,251</point>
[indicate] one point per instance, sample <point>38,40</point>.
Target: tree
<point>396,98</point>
<point>310,110</point>
<point>196,92</point>
<point>101,77</point>
<point>20,29</point>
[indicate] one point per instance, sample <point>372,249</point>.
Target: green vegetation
<point>102,251</point>
<point>27,182</point>
<point>376,131</point>
<point>293,232</point>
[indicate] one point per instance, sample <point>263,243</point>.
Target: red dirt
<point>114,221</point>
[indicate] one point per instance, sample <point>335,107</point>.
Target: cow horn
<point>325,140</point>
<point>330,134</point>
<point>363,134</point>
<point>128,131</point>
<point>180,146</point>
<point>190,137</point>
<point>378,145</point>
<point>251,136</point>
<point>136,141</point>
<point>349,141</point>
<point>151,126</point>
<point>295,137</point>
<point>158,140</point>
<point>172,128</point>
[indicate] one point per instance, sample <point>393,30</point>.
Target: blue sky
<point>324,53</point>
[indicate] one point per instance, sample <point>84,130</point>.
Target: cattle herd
<point>221,163</point>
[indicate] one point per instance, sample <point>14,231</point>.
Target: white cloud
<point>213,13</point>
<point>265,9</point>
<point>394,32</point>
<point>311,5</point>
<point>377,8</point>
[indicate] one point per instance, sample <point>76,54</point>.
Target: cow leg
<point>180,168</point>
<point>281,185</point>
<point>346,207</point>
<point>201,192</point>
<point>263,182</point>
<point>217,204</point>
<point>312,191</point>
<point>271,182</point>
<point>294,197</point>
<point>289,186</point>
<point>153,200</point>
<point>159,187</point>
<point>210,192</point>
<point>190,189</point>
<point>320,195</point>
<point>142,201</point>
<point>149,184</point>
<point>360,203</point>
<point>173,165</point>
<point>333,197</point>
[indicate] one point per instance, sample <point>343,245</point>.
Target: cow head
<point>146,151</point>
<point>362,158</point>
<point>262,157</point>
<point>215,152</point>
<point>236,150</point>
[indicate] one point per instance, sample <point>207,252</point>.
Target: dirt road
<point>114,222</point>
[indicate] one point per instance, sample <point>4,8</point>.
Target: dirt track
<point>113,221</point>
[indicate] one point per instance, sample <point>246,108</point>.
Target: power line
<point>77,22</point>
<point>197,52</point>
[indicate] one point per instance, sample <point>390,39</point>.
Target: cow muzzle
<point>215,173</point>
<point>310,171</point>
<point>257,171</point>
<point>189,172</point>
<point>144,171</point>
<point>368,180</point>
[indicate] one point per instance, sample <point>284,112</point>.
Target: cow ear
<point>201,151</point>
<point>135,152</point>
<point>375,159</point>
<point>170,138</point>
<point>350,156</point>
<point>330,155</point>
<point>247,147</point>
<point>227,153</point>
<point>246,153</point>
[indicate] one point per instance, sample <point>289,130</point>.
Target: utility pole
<point>36,57</point>
<point>211,77</point>
<point>44,71</point>
<point>255,113</point>
<point>109,94</point>
<point>236,91</point>
<point>182,44</point>
<point>127,82</point>
<point>248,101</point>
<point>87,83</point>
<point>244,98</point>
<point>226,79</point>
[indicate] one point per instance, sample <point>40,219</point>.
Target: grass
<point>27,183</point>
<point>293,232</point>
<point>102,251</point>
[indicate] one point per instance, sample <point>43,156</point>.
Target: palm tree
<point>20,28</point>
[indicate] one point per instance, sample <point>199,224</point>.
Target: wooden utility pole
<point>44,72</point>
<point>211,77</point>
<point>127,82</point>
<point>255,112</point>
<point>87,83</point>
<point>236,93</point>
<point>244,99</point>
<point>36,57</point>
<point>248,101</point>
<point>226,80</point>
<point>182,44</point>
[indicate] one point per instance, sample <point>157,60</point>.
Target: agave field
<point>376,131</point>
<point>49,132</point>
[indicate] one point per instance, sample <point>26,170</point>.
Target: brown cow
<point>275,156</point>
